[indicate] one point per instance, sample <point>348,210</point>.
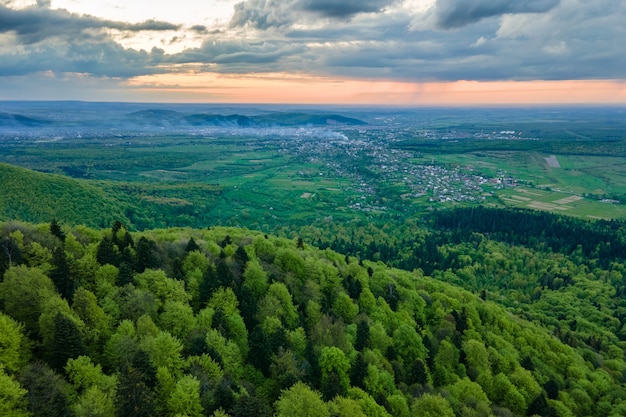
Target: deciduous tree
<point>301,401</point>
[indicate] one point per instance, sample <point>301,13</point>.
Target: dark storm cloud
<point>343,9</point>
<point>58,41</point>
<point>264,14</point>
<point>235,56</point>
<point>458,13</point>
<point>530,40</point>
<point>103,58</point>
<point>35,24</point>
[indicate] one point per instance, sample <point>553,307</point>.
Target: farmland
<point>396,166</point>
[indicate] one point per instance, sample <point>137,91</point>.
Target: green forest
<point>432,263</point>
<point>485,320</point>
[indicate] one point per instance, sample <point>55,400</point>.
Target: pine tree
<point>107,253</point>
<point>145,255</point>
<point>208,285</point>
<point>192,245</point>
<point>241,256</point>
<point>134,397</point>
<point>362,335</point>
<point>125,275</point>
<point>224,275</point>
<point>48,393</point>
<point>358,372</point>
<point>55,230</point>
<point>227,241</point>
<point>67,342</point>
<point>60,274</point>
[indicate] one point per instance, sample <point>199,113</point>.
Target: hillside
<point>37,197</point>
<point>226,321</point>
<point>17,120</point>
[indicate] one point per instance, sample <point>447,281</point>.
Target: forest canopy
<point>227,321</point>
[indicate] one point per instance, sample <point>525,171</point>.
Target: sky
<point>355,52</point>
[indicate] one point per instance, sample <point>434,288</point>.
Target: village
<point>383,177</point>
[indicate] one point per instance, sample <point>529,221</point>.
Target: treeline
<point>415,245</point>
<point>599,242</point>
<point>226,321</point>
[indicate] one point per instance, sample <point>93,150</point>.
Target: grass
<point>260,181</point>
<point>560,202</point>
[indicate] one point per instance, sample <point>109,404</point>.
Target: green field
<point>272,180</point>
<point>591,179</point>
<point>561,203</point>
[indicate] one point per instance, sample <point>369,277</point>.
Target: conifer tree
<point>134,397</point>
<point>362,335</point>
<point>55,230</point>
<point>145,255</point>
<point>61,275</point>
<point>47,392</point>
<point>241,256</point>
<point>67,342</point>
<point>107,253</point>
<point>191,245</point>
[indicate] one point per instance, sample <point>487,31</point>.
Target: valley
<point>386,262</point>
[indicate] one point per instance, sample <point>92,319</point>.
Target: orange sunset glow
<point>287,88</point>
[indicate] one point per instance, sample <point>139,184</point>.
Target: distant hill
<point>172,118</point>
<point>233,120</point>
<point>17,120</point>
<point>154,116</point>
<point>303,119</point>
<point>38,197</point>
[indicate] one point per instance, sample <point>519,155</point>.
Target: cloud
<point>201,29</point>
<point>239,56</point>
<point>104,58</point>
<point>39,23</point>
<point>526,43</point>
<point>530,40</point>
<point>343,9</point>
<point>265,14</point>
<point>261,14</point>
<point>451,14</point>
<point>38,39</point>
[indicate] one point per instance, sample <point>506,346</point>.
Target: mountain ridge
<point>171,118</point>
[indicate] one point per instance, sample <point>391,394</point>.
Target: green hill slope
<point>37,197</point>
<point>226,321</point>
